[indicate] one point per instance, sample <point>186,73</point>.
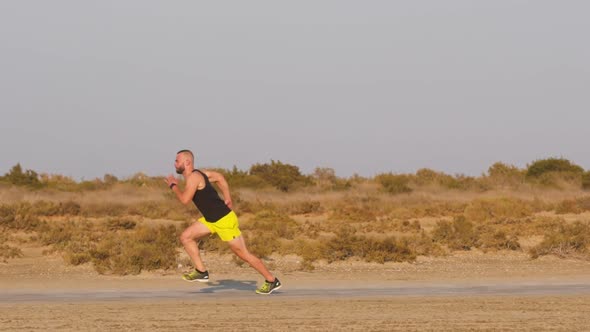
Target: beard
<point>180,170</point>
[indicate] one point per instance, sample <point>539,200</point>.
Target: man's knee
<point>186,237</point>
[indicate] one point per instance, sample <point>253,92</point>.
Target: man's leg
<point>238,246</point>
<point>189,238</point>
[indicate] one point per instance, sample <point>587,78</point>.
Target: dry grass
<point>126,228</point>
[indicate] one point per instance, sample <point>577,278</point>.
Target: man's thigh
<point>196,231</point>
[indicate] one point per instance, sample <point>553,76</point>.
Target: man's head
<point>184,159</point>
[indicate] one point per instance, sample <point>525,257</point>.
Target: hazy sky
<point>95,87</point>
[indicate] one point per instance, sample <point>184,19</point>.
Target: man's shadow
<point>228,284</point>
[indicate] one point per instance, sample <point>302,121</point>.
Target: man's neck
<point>187,172</point>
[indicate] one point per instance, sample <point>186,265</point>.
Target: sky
<point>363,87</point>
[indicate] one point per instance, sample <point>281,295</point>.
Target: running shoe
<point>269,287</point>
<point>195,275</point>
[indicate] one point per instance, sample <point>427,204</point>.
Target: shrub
<point>44,208</point>
<point>273,223</point>
<point>19,216</point>
<point>348,244</point>
<point>241,179</point>
<point>17,177</point>
<point>487,209</point>
<point>7,252</point>
<point>457,235</point>
<point>586,180</point>
<point>304,207</point>
<point>281,176</point>
<point>552,165</point>
<point>262,244</point>
<point>564,241</point>
<point>505,175</point>
<point>427,176</point>
<point>567,206</point>
<point>497,240</point>
<point>354,209</point>
<point>326,178</point>
<point>117,224</point>
<point>394,183</point>
<point>131,252</point>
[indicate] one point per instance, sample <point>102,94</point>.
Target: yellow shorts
<point>227,227</point>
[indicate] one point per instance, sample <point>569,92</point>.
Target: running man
<point>218,217</point>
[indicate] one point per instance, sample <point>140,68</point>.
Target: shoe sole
<point>272,290</point>
<point>199,280</point>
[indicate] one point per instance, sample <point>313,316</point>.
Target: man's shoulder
<point>195,176</point>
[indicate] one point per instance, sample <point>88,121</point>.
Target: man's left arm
<point>219,180</point>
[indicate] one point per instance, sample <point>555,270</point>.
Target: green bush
<point>242,179</point>
<point>18,177</point>
<point>552,165</point>
<point>394,183</point>
<point>281,176</point>
<point>586,180</point>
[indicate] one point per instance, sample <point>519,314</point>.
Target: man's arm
<point>186,196</point>
<point>219,180</point>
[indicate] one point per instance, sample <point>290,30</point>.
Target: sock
<point>200,271</point>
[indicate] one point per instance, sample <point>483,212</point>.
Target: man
<point>218,217</point>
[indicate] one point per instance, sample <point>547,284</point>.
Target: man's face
<point>179,163</point>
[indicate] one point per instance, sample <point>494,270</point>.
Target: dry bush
<point>107,209</point>
<point>503,175</point>
<point>346,243</point>
<point>486,209</point>
<point>492,239</point>
<point>7,251</point>
<point>115,246</point>
<point>423,245</point>
<point>567,206</point>
<point>388,225</point>
<point>459,234</point>
<point>304,207</point>
<point>357,209</point>
<point>272,223</point>
<point>244,206</point>
<point>567,240</point>
<point>576,206</point>
<point>163,209</point>
<point>130,252</point>
<point>114,224</point>
<point>19,216</point>
<point>48,209</point>
<point>262,244</point>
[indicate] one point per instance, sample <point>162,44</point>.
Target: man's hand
<point>229,203</point>
<point>170,179</point>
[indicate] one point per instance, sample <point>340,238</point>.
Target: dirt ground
<point>34,295</point>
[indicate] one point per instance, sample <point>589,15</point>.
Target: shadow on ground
<point>228,284</point>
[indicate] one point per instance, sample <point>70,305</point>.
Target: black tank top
<point>207,200</point>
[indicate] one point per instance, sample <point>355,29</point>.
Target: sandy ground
<point>504,291</point>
